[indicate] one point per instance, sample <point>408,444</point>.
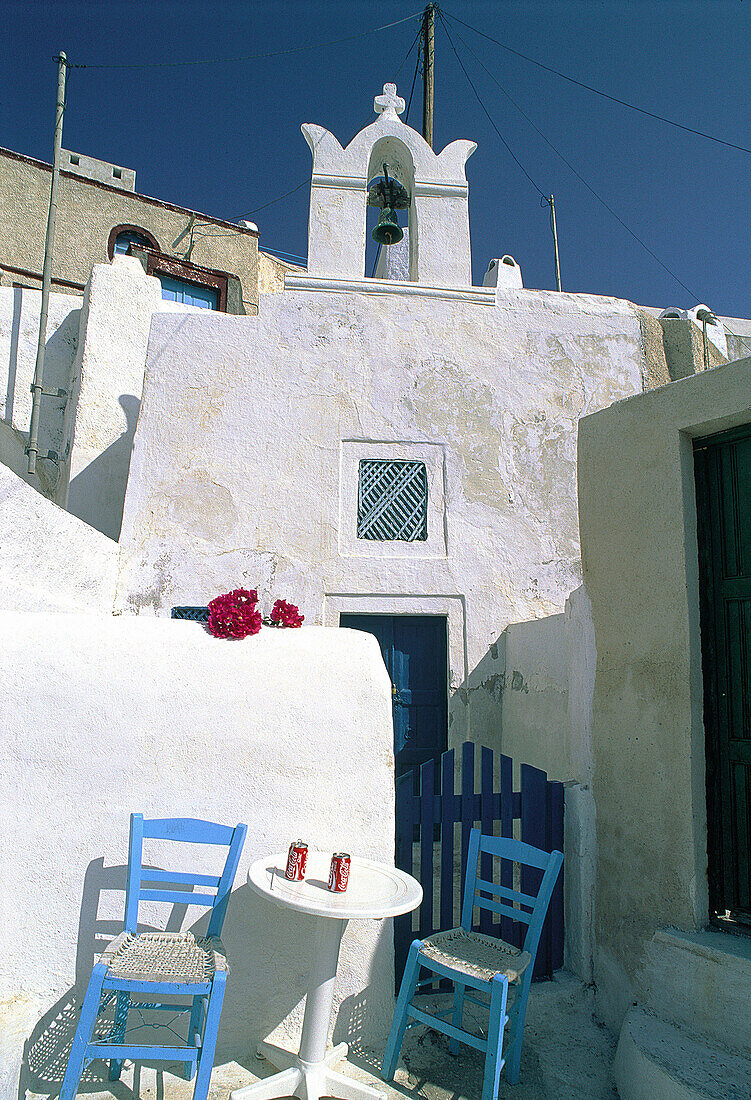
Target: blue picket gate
<point>427,810</point>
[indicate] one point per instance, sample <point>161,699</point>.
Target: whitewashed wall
<point>49,560</point>
<point>289,731</point>
<point>102,412</point>
<point>96,354</point>
<point>19,335</point>
<point>245,461</point>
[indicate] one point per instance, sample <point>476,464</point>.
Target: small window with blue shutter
<point>392,501</point>
<point>189,294</point>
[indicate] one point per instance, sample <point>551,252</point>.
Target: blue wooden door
<point>414,649</point>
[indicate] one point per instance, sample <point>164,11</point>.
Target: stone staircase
<point>689,1038</point>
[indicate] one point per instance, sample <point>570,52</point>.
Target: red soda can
<point>297,861</point>
<point>339,872</point>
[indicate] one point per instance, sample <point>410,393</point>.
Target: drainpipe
<point>37,388</point>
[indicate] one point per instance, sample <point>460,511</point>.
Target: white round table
<point>375,890</point>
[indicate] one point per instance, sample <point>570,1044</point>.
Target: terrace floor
<point>566,1056</point>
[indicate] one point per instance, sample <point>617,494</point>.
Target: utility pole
<point>428,61</point>
<point>555,245</point>
<point>37,387</point>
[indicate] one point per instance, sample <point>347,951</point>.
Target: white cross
<point>389,103</point>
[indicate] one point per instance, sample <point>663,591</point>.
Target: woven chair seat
<point>476,955</point>
<point>163,957</point>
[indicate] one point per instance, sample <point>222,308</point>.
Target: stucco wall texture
<point>105,390</point>
<point>50,560</point>
<point>88,211</point>
<point>289,731</point>
<point>637,507</point>
<point>19,336</point>
<point>240,480</point>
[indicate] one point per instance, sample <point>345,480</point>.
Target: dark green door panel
<point>723,497</point>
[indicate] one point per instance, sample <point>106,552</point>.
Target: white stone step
<point>656,1060</point>
<point>701,981</point>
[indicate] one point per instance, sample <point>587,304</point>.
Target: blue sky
<point>225,138</point>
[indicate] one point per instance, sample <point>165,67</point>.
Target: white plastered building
<point>269,449</point>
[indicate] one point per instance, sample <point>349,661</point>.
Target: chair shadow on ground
<point>252,941</point>
<point>46,1051</point>
<point>47,1048</point>
<point>427,1064</point>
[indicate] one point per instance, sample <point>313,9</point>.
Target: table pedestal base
<point>307,1080</point>
<point>309,1074</point>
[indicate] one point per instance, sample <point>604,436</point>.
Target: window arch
<point>121,236</point>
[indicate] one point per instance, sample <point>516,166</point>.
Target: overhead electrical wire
<point>511,153</point>
<point>414,81</point>
<point>598,91</point>
<point>308,179</point>
<point>271,202</point>
<point>249,57</point>
<point>570,166</point>
<point>284,255</point>
<point>415,40</point>
<point>544,200</point>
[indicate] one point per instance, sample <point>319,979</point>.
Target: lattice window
<point>392,501</point>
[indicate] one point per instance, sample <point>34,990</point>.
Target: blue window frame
<point>189,294</point>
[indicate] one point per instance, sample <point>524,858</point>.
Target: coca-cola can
<point>339,872</point>
<point>297,861</point>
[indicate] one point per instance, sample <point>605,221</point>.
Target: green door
<point>723,492</point>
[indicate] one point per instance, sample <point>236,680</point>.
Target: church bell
<point>387,231</point>
<point>389,194</point>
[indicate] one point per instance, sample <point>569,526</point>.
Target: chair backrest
<point>539,871</point>
<point>148,884</point>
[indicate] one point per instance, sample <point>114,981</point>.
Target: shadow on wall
<point>354,1018</point>
<point>15,329</point>
<point>260,947</point>
<point>480,698</point>
<point>97,494</point>
<point>59,354</point>
<point>515,699</point>
<point>60,349</point>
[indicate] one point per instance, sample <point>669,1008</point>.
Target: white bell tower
<point>438,213</point>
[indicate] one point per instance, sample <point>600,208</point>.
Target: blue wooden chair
<point>139,969</point>
<point>483,963</point>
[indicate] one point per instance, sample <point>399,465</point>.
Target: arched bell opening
<point>391,178</point>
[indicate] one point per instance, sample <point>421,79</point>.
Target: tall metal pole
<point>555,245</point>
<point>428,61</point>
<point>49,242</point>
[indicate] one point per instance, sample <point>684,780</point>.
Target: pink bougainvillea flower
<point>244,595</point>
<point>234,615</point>
<point>286,614</point>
